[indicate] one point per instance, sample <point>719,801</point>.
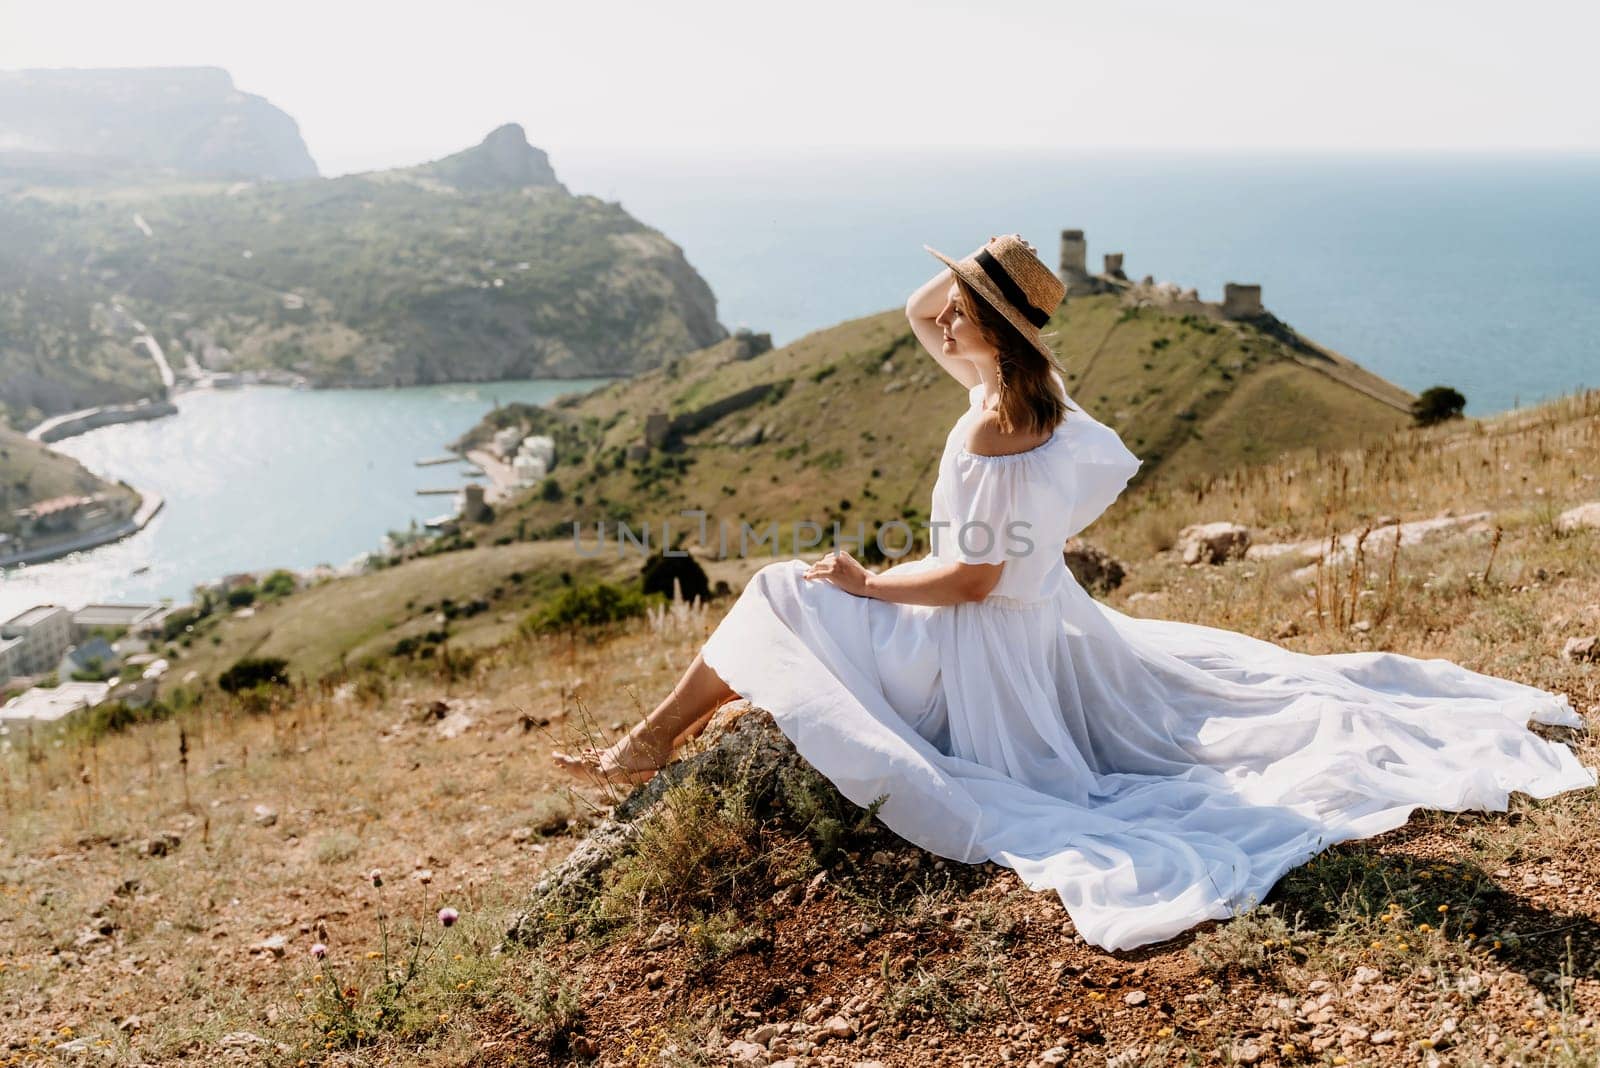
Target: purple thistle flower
<point>376,876</point>
<point>319,951</point>
<point>448,916</point>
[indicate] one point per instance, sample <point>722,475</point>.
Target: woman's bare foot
<point>591,762</point>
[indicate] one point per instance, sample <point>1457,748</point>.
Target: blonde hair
<point>1029,400</point>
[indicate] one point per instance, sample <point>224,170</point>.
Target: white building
<point>57,706</point>
<point>535,456</point>
<point>506,440</point>
<point>46,633</point>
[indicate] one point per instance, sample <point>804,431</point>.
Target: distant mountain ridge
<point>188,120</point>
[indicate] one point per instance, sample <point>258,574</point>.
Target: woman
<point>1154,774</point>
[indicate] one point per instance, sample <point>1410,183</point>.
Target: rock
<point>836,1027</point>
<point>1247,1053</point>
<point>1582,650</point>
<point>265,816</point>
<point>242,1040</point>
<point>454,725</point>
<point>1054,1055</point>
<point>1382,1038</point>
<point>1095,569</point>
<point>1366,975</point>
<point>653,980</point>
<point>1585,516</point>
<point>1213,543</point>
<point>742,1052</point>
<point>665,934</point>
<point>751,435</point>
<point>275,945</point>
<point>162,844</point>
<point>766,1033</point>
<point>1136,997</point>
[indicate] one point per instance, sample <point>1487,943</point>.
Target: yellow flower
<point>1165,1032</point>
<point>1423,927</point>
<point>1377,945</point>
<point>1403,947</point>
<point>1340,1058</point>
<point>1444,908</point>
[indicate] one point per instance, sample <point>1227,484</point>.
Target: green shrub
<point>250,671</point>
<point>1437,404</point>
<point>589,605</point>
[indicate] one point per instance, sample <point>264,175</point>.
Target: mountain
<point>475,267</point>
<point>504,160</point>
<point>187,120</point>
<point>847,424</point>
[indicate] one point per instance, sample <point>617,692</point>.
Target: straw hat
<point>1008,274</point>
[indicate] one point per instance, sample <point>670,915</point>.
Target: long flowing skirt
<point>1154,774</point>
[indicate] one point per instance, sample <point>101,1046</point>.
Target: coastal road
<point>153,347</point>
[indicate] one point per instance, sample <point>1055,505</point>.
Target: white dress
<point>1154,774</point>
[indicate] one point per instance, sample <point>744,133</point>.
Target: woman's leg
<point>650,744</point>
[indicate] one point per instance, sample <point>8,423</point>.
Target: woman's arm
<point>922,308</point>
<point>951,583</point>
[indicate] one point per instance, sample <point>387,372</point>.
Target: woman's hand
<point>843,570</point>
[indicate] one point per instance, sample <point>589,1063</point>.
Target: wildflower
<point>425,876</point>
<point>448,916</point>
<point>373,954</point>
<point>1444,908</point>
<point>1340,1058</point>
<point>1423,927</point>
<point>1377,945</point>
<point>376,875</point>
<point>1165,1032</point>
<point>319,951</point>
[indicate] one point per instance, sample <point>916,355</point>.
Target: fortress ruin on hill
<point>1239,300</point>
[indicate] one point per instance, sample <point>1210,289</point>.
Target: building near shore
<point>56,707</point>
<point>135,618</point>
<point>46,633</point>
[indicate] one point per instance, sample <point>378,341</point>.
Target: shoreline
<point>149,505</point>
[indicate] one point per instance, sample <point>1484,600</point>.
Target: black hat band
<point>1009,288</point>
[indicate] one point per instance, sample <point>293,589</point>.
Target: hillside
<point>74,125</point>
<point>477,267</point>
<point>30,472</point>
<point>855,416</point>
<point>178,873</point>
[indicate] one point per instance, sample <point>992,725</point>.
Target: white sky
<point>376,84</point>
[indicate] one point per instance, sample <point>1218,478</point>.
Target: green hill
<point>477,267</point>
<point>854,417</point>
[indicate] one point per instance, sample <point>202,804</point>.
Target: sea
<point>1473,271</point>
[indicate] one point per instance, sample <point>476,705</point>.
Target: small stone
<point>265,816</point>
<point>1135,998</point>
<point>1248,1053</point>
<point>653,980</point>
<point>162,844</point>
<point>836,1027</point>
<point>242,1040</point>
<point>275,945</point>
<point>744,1052</point>
<point>766,1033</point>
<point>1382,1038</point>
<point>665,934</point>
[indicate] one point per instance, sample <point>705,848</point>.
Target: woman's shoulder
<point>988,441</point>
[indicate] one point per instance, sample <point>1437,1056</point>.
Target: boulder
<point>1213,543</point>
<point>1585,516</point>
<point>1582,650</point>
<point>1095,569</point>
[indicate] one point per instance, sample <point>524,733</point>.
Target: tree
<point>1436,405</point>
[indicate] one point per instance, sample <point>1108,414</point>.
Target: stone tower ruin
<point>1241,301</point>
